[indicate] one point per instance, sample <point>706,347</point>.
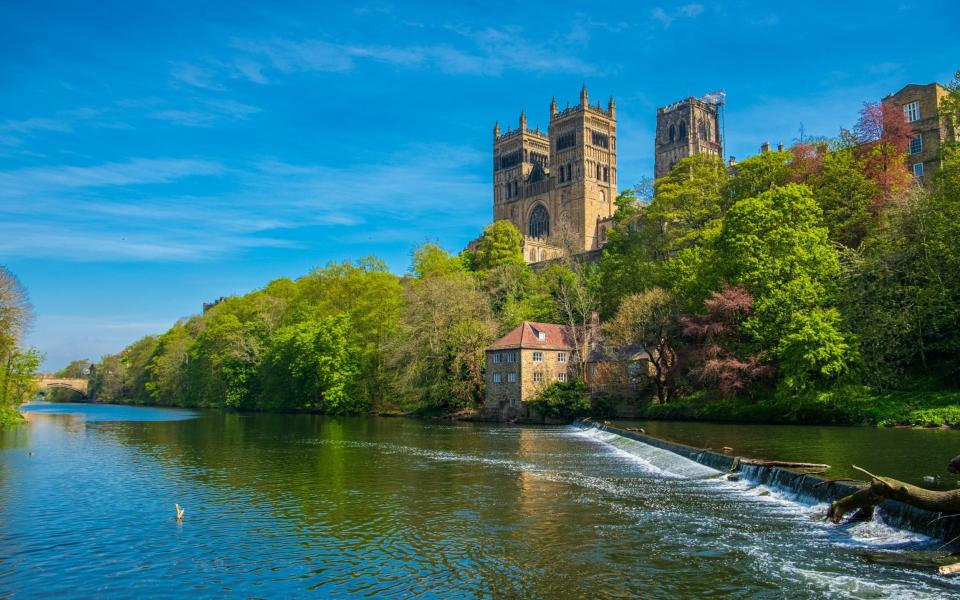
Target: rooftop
<point>535,335</point>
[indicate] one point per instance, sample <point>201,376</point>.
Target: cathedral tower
<point>558,188</point>
<point>688,127</point>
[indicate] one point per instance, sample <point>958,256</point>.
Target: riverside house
<point>527,359</point>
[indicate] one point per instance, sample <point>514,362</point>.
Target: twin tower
<point>558,188</point>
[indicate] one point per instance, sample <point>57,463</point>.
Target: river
<point>296,505</point>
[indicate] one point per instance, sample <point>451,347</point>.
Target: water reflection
<point>284,505</point>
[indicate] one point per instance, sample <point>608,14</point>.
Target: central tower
<point>558,188</point>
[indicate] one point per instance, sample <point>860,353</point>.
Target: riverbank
<point>851,405</point>
<point>10,415</point>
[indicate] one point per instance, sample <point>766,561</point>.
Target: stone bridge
<point>46,382</point>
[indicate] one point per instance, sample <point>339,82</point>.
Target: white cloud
<point>666,18</point>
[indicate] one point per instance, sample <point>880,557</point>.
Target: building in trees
<point>522,363</point>
<point>558,187</point>
<point>931,129</point>
<point>686,128</point>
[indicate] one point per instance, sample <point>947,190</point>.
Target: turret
<point>612,107</point>
<point>496,130</point>
<point>553,107</point>
<point>584,99</point>
<point>523,120</point>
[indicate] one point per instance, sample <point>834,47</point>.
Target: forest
<point>817,283</point>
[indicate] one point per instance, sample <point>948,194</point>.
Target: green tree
<point>649,320</point>
<point>844,194</point>
<point>760,173</point>
<point>437,353</point>
<point>500,244</point>
<point>166,379</point>
<point>776,247</point>
<point>312,365</point>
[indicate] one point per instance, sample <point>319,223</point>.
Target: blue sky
<point>156,155</point>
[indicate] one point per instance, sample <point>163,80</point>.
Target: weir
<point>805,488</point>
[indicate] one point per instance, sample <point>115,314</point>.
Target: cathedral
<point>558,187</point>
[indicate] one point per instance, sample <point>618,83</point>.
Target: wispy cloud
<point>666,18</point>
<point>117,212</point>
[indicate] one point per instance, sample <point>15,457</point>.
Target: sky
<point>158,155</point>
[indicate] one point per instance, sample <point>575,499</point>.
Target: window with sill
<point>562,377</point>
<point>916,144</point>
<point>561,357</point>
<point>511,377</point>
<point>496,378</point>
<point>911,111</point>
<point>538,357</point>
<point>538,377</point>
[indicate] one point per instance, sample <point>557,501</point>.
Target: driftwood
<point>783,463</point>
<point>886,488</point>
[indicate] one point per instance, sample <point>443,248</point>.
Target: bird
<point>179,512</point>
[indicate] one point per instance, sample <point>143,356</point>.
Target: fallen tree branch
<point>886,488</point>
<point>783,463</point>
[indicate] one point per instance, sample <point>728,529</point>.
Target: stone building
<point>931,129</point>
<point>520,364</point>
<point>686,128</point>
<point>558,187</point>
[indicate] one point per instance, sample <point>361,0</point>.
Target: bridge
<point>45,382</point>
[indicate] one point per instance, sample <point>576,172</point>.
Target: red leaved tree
<point>807,161</point>
<point>883,137</point>
<point>716,335</point>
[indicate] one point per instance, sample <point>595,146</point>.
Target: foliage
<point>562,400</point>
<point>312,365</point>
<point>17,365</point>
<point>500,244</point>
<point>720,340</point>
<point>648,320</point>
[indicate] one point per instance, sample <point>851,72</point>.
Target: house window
<point>918,170</point>
<point>916,144</point>
<point>538,376</point>
<point>561,357</point>
<point>511,377</point>
<point>497,378</point>
<point>511,357</point>
<point>538,357</point>
<point>911,111</point>
<point>562,377</point>
<point>593,370</point>
<point>496,358</point>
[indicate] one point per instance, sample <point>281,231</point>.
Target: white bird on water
<point>179,512</point>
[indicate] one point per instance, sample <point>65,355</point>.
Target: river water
<point>294,505</point>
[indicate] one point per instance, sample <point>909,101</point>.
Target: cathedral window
<point>561,173</point>
<point>606,173</point>
<point>600,139</point>
<point>683,130</point>
<point>673,133</point>
<point>568,173</point>
<point>598,171</point>
<point>566,140</point>
<point>539,222</point>
<point>516,188</point>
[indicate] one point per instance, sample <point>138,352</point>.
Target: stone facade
<point>685,128</point>
<point>558,187</point>
<point>520,364</point>
<point>920,105</point>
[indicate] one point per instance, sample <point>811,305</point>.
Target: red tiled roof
<point>526,335</point>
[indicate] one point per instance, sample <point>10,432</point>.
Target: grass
<point>849,405</point>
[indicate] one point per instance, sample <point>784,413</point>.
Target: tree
<point>311,365</point>
<point>430,260</point>
<point>775,246</point>
<point>166,380</point>
<point>761,173</point>
<point>883,137</point>
<point>649,319</point>
<point>15,311</point>
<point>500,244</point>
<point>845,195</point>
<point>721,342</point>
<point>436,355</point>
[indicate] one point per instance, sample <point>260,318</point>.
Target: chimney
<point>764,147</point>
<point>733,161</point>
<point>780,147</point>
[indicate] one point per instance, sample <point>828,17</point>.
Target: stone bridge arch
<point>81,386</point>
